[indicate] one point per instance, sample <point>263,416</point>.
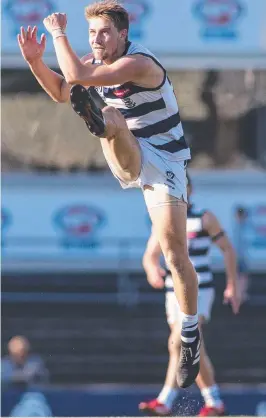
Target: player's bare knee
<point>111,114</point>
<point>176,260</point>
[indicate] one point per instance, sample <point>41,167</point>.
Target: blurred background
<point>73,287</point>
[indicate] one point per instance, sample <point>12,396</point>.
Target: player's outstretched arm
<point>32,51</point>
<point>214,229</point>
<point>128,68</point>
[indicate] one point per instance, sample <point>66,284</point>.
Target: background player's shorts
<point>205,302</point>
<point>160,173</point>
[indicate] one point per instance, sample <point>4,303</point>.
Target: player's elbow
<point>230,252</point>
<point>71,79</point>
<point>74,77</point>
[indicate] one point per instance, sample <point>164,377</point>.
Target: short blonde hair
<point>109,9</point>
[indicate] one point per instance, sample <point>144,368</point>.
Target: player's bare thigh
<point>120,147</point>
<point>169,215</point>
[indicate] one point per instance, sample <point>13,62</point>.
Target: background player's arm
<point>151,262</point>
<point>214,229</point>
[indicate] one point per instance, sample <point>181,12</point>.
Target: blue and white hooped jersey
<point>151,114</point>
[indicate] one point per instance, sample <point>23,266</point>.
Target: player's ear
<point>124,34</point>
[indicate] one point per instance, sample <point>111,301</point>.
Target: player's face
<point>104,38</point>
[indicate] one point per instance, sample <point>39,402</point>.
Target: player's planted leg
<point>171,234</point>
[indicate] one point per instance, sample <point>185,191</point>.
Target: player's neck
<point>121,50</point>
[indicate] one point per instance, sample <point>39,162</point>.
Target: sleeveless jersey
<point>151,113</point>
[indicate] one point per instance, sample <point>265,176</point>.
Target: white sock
<point>212,396</point>
<point>189,323</point>
<point>167,396</point>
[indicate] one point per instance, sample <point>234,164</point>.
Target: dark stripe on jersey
<point>202,269</point>
<point>158,127</point>
<point>197,252</point>
<point>143,109</point>
<point>206,285</point>
<point>124,91</point>
<point>202,233</point>
<point>173,146</point>
<point>194,215</point>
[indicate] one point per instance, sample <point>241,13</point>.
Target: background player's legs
<point>206,380</point>
<point>173,350</point>
<point>169,392</point>
<point>120,147</point>
<point>163,404</point>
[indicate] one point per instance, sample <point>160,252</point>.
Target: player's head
<point>18,348</point>
<point>189,186</point>
<point>108,29</point>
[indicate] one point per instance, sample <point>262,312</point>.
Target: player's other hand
<point>155,275</point>
<point>31,49</point>
<point>55,21</point>
<point>232,296</point>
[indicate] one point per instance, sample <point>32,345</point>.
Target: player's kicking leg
<point>119,145</point>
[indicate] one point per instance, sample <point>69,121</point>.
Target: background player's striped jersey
<point>199,244</point>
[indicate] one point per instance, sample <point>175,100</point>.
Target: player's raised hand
<point>55,21</point>
<point>31,49</point>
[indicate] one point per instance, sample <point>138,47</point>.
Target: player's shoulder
<point>209,220</point>
<point>88,58</point>
<point>134,48</point>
